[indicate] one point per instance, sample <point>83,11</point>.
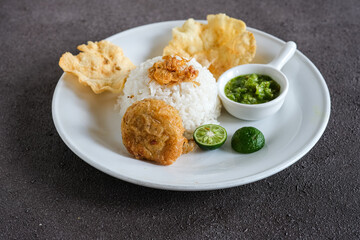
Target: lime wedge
<point>210,136</point>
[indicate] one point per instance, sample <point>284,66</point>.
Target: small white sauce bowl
<point>272,69</point>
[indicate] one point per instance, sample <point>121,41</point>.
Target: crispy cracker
<point>220,44</point>
<point>101,65</point>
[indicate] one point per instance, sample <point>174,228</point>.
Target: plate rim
<point>205,186</point>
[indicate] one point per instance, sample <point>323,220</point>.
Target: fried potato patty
<point>153,130</point>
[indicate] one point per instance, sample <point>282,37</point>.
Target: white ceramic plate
<point>91,129</point>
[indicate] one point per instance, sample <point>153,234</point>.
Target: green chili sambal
<point>252,89</point>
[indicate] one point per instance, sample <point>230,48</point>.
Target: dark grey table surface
<point>47,192</point>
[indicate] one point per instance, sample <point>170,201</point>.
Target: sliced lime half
<point>210,136</point>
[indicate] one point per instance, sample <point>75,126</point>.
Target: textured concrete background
<point>47,192</point>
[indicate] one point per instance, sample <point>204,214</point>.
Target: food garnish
<point>210,136</point>
<point>247,140</point>
<point>101,65</point>
<point>220,44</point>
<point>173,70</point>
<point>153,130</point>
<point>189,146</point>
<point>252,89</point>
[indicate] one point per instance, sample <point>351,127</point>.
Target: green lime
<point>247,140</point>
<point>210,136</point>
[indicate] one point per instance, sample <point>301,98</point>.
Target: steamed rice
<point>197,105</point>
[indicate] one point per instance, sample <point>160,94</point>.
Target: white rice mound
<point>197,105</point>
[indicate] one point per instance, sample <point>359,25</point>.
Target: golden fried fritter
<point>153,130</point>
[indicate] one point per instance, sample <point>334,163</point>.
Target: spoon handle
<point>285,54</point>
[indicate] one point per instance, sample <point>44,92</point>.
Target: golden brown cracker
<point>220,44</point>
<point>100,65</point>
